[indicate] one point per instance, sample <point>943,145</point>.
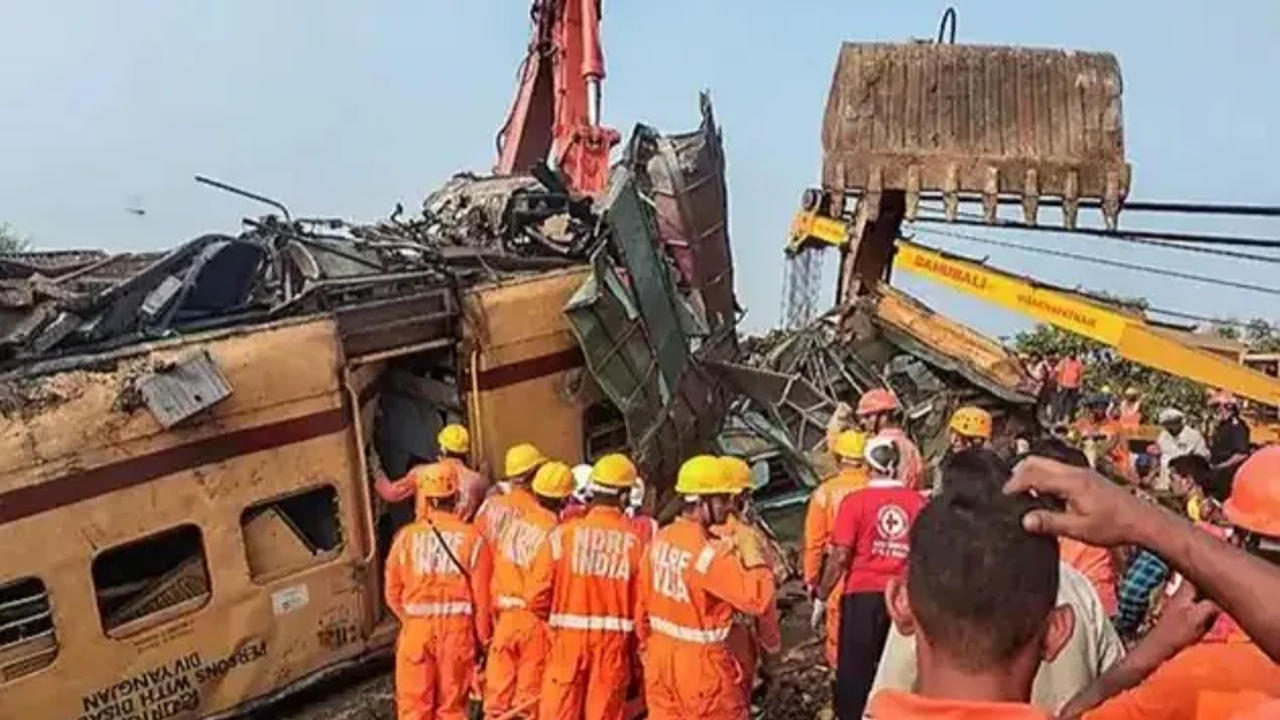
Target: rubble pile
<point>884,339</point>
<point>52,304</point>
<point>801,687</point>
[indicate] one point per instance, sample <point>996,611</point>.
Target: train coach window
<point>149,581</point>
<point>27,639</point>
<point>288,534</point>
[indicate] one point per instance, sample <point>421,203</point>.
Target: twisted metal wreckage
<point>655,319</point>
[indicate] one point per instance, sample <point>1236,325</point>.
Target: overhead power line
<point>1229,240</point>
<point>1162,244</point>
<point>1222,282</point>
<point>1221,322</point>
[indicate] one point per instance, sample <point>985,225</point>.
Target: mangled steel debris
<point>86,302</point>
<point>638,340</point>
<point>686,177</point>
<point>794,380</point>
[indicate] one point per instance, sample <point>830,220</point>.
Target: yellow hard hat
<point>738,471</point>
<point>553,480</point>
<point>454,438</point>
<point>849,445</point>
<point>522,458</point>
<point>437,480</point>
<point>972,422</point>
<point>704,475</point>
<point>615,471</point>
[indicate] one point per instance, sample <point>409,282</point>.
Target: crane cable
<point>1220,322</point>
<point>1102,261</point>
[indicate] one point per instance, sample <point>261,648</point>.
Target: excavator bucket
<point>970,122</point>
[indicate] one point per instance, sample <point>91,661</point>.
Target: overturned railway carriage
<point>210,566</point>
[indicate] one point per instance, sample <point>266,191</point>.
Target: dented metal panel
<point>971,119</point>
<point>175,393</point>
<point>634,234</point>
<point>690,198</point>
<point>952,346</point>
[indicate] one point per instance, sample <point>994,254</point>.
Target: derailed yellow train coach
<point>188,525</point>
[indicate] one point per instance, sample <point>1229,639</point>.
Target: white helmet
<point>883,456</point>
<point>581,482</point>
<point>636,497</point>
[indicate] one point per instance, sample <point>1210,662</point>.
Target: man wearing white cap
<point>1176,439</point>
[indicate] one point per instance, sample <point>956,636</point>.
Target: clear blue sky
<point>344,108</point>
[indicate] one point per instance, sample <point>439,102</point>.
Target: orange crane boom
<point>555,116</point>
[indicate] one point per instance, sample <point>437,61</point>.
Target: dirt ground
<point>366,695</point>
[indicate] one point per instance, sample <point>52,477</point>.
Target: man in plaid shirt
<point>1146,574</point>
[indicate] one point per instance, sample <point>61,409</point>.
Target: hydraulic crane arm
<point>1131,336</point>
<point>556,112</point>
<point>1128,333</point>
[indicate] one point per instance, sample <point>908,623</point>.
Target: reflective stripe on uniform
<point>437,609</point>
<point>509,602</point>
<point>591,622</point>
<point>703,563</point>
<point>554,538</point>
<point>688,634</point>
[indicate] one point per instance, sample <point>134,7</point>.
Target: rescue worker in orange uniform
<point>1106,438</point>
<point>519,466</point>
<point>584,583</point>
<point>518,654</point>
<point>880,415</point>
<point>437,583</point>
<point>691,585</point>
<point>750,636</point>
<point>970,428</point>
<point>454,442</point>
<point>1200,680</point>
<point>820,519</point>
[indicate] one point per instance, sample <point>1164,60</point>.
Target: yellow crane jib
<point>1127,332</point>
<point>809,228</point>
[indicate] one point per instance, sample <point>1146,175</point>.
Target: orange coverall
<point>584,581</point>
<point>437,604</point>
<point>518,654</point>
<point>690,587</point>
<point>1095,564</point>
<point>1189,678</point>
<point>498,509</point>
<point>751,634</point>
<point>819,520</point>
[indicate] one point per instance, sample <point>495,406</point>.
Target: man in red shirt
<point>869,549</point>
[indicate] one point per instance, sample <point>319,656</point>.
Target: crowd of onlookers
<point>1156,598</point>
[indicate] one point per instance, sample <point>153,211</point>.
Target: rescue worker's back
<point>437,584</point>
<point>517,659</point>
<point>584,583</point>
<point>691,587</point>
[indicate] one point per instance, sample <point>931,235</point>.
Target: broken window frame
<point>319,556</point>
<point>601,422</point>
<point>167,613</point>
<point>10,621</point>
